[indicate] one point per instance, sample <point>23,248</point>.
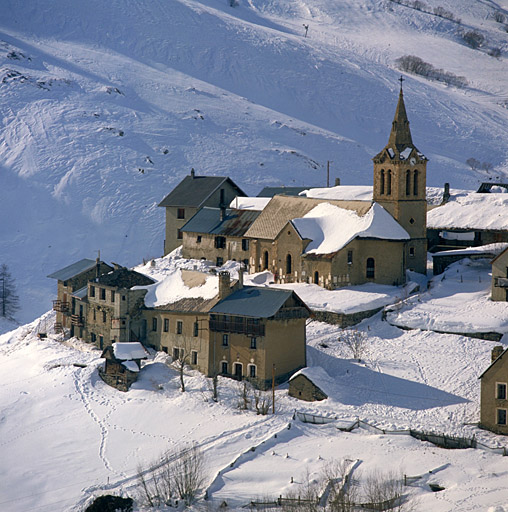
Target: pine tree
<point>9,300</point>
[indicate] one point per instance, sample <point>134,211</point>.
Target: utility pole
<point>273,389</point>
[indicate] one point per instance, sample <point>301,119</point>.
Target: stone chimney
<point>192,173</point>
<point>98,266</point>
<point>224,284</point>
<point>240,277</point>
<point>446,193</point>
<point>337,182</point>
<point>496,352</point>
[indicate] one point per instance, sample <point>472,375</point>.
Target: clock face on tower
<point>412,161</point>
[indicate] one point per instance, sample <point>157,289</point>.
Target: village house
<point>191,194</point>
<point>494,389</point>
<point>245,332</point>
<point>500,277</point>
<point>71,290</point>
<point>310,384</point>
<point>122,364</point>
<point>217,234</point>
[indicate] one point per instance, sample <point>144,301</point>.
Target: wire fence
<point>440,440</point>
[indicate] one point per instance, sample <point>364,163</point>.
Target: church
<point>331,239</point>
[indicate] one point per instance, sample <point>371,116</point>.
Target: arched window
<point>288,264</point>
<point>370,270</point>
<point>415,183</point>
<point>408,182</point>
<point>382,182</point>
<point>265,260</point>
<point>316,277</point>
<point>389,184</point>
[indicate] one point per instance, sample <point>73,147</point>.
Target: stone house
<point>244,332</point>
<point>191,194</point>
<point>122,364</point>
<point>500,277</point>
<point>71,281</point>
<point>309,384</point>
<point>114,312</point>
<point>217,235</point>
<point>494,389</point>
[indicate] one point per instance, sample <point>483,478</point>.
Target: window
<point>179,327</point>
<point>245,244</point>
<point>194,357</point>
<point>154,324</point>
<point>92,291</point>
<point>179,234</point>
<point>316,277</point>
<point>225,340</point>
<point>382,184</point>
<point>415,183</point>
<point>288,264</point>
<point>104,317</point>
<point>220,242</point>
<point>501,416</point>
<point>176,354</point>
<point>101,341</point>
<point>94,314</point>
<point>411,252</point>
<point>198,239</point>
<point>219,262</point>
<point>252,371</point>
<point>253,343</point>
<point>123,297</point>
<point>350,257</point>
<point>112,296</point>
<point>102,293</point>
<point>389,184</point>
<point>370,270</point>
<point>196,329</point>
<point>501,390</point>
<point>93,337</point>
<point>180,213</point>
<point>166,325</point>
<point>408,182</point>
<point>165,349</point>
<point>224,367</point>
<point>245,264</point>
<point>265,260</point>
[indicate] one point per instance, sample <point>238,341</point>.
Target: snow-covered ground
<point>67,436</point>
<point>107,105</point>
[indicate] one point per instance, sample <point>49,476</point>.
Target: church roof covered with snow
<point>341,193</point>
<point>471,210</point>
<point>330,227</point>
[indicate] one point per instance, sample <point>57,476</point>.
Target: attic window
<point>411,220</point>
<point>180,214</point>
<point>198,239</point>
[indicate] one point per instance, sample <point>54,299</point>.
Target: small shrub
<point>355,341</point>
<point>473,38</point>
<point>415,65</point>
<point>499,17</point>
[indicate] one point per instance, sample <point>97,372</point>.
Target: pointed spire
<point>400,136</point>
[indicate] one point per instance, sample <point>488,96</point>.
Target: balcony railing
<point>77,320</point>
<point>237,325</point>
<point>61,306</point>
<point>502,282</point>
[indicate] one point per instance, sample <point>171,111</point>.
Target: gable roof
<point>194,190</point>
<point>281,209</point>
<point>330,228</point>
<point>127,351</point>
<point>208,220</point>
<point>317,376</point>
<point>287,191</point>
<point>505,351</point>
<point>501,255</point>
<point>255,302</point>
<point>124,278</point>
<point>73,270</point>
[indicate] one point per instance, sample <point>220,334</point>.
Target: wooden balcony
<point>78,321</point>
<point>61,306</point>
<point>58,328</point>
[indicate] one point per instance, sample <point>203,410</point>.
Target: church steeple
<point>400,136</point>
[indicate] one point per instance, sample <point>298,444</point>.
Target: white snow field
<point>107,105</point>
<point>66,436</point>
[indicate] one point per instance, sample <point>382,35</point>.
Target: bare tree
<point>262,401</point>
<point>244,396</point>
<point>189,474</point>
<point>9,300</point>
<point>356,341</point>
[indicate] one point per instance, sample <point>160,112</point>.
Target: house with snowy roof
<point>310,384</point>
<point>371,235</point>
<point>122,364</point>
<point>220,326</point>
<point>191,194</point>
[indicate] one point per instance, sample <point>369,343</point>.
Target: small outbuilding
<point>309,384</point>
<point>123,363</point>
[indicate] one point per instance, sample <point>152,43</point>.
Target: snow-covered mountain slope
<point>107,105</point>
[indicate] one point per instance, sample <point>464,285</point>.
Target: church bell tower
<point>400,175</point>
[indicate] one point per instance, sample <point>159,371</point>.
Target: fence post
<point>405,480</point>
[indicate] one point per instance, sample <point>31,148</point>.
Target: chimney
<point>337,182</point>
<point>496,352</point>
<point>240,276</point>
<point>192,173</point>
<point>222,213</point>
<point>98,265</point>
<point>224,284</point>
<point>446,193</point>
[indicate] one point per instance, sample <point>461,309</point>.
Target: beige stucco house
<point>494,393</point>
<point>500,277</point>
